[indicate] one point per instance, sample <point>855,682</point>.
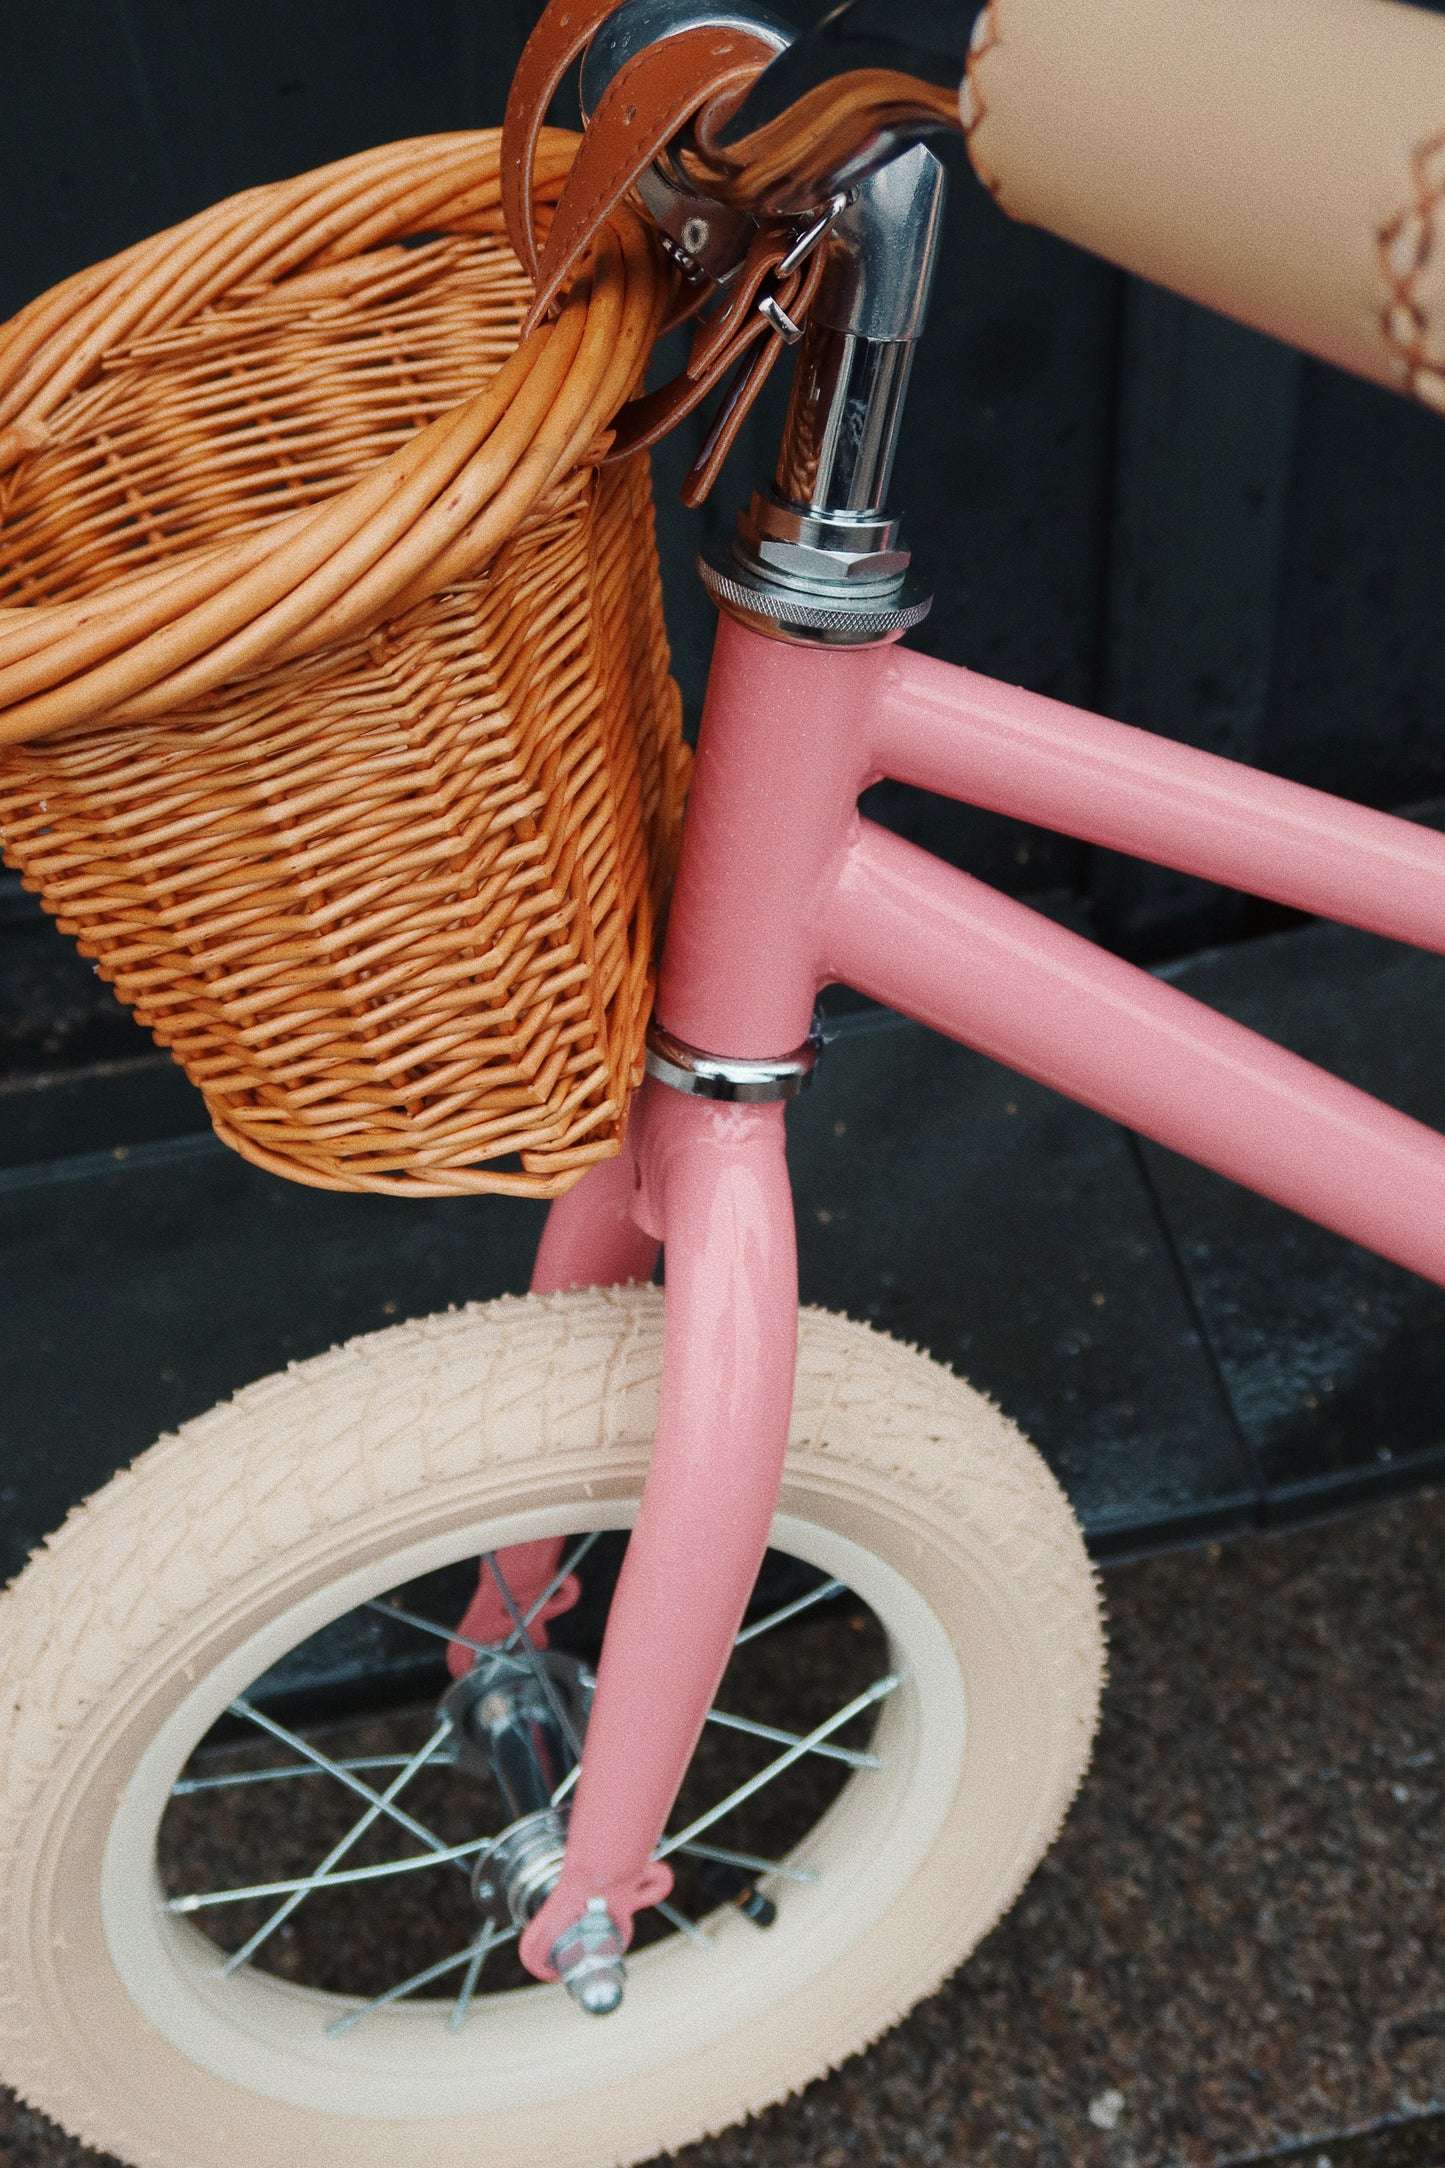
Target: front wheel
<point>237,1922</point>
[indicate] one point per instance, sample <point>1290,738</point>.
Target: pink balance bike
<point>785,1656</point>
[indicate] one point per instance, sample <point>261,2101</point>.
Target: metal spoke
<point>569,1565</point>
<point>201,1900</point>
<point>748,1860</point>
<point>848,1754</point>
<point>467,1964</point>
<point>185,1786</point>
<point>535,1664</point>
<point>567,1784</point>
<point>343,1775</point>
<point>876,1692</point>
<point>425,1625</point>
<point>382,1805</point>
<point>418,1979</point>
<point>789,1610</point>
<point>684,1925</point>
<point>468,1988</point>
<point>386,1608</point>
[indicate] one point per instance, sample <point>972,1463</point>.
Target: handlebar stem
<point>819,558</point>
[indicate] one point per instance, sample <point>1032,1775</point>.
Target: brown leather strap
<point>648,100</point>
<point>732,412</point>
<point>696,76</point>
<point>563,31</point>
<point>790,164</point>
<point>738,339</point>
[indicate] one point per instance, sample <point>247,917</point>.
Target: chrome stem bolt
<point>588,1960</point>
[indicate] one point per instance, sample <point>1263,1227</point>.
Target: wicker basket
<point>334,700</point>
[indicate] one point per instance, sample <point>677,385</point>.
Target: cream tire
<point>174,1587</point>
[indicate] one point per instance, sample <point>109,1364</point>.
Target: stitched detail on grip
<point>1411,254</point>
<point>972,104</point>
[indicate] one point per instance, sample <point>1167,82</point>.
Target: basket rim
<point>430,514</point>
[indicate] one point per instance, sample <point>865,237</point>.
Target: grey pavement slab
<point>1334,1360</point>
<point>952,1205</point>
<point>1189,1358</point>
<point>1010,1233</point>
<point>145,1284</point>
<point>143,1098</point>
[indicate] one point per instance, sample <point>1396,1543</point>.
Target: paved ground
<point>1234,1950</point>
<point>1235,1944</point>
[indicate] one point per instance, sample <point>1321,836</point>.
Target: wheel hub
<point>521,1718</point>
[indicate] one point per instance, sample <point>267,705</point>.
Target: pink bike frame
<point>784,888</point>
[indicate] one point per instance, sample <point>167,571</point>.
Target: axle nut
<point>588,1959</point>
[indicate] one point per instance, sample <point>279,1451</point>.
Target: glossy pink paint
<point>783,888</point>
<point>990,972</point>
<point>712,1181</point>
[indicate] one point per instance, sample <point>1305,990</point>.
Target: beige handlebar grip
<point>1282,161</point>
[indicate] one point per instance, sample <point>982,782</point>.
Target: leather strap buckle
<point>788,328</point>
<point>813,236</point>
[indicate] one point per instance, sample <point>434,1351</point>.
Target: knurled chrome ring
<point>715,1076</point>
<point>794,615</point>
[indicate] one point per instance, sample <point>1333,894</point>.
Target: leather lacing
<point>1411,255</point>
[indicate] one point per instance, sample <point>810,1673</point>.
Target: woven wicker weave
<point>333,678</point>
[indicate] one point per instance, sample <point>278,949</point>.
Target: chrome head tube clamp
<point>818,558</point>
<point>717,1076</point>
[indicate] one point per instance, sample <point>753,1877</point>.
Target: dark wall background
<point>1120,500</point>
